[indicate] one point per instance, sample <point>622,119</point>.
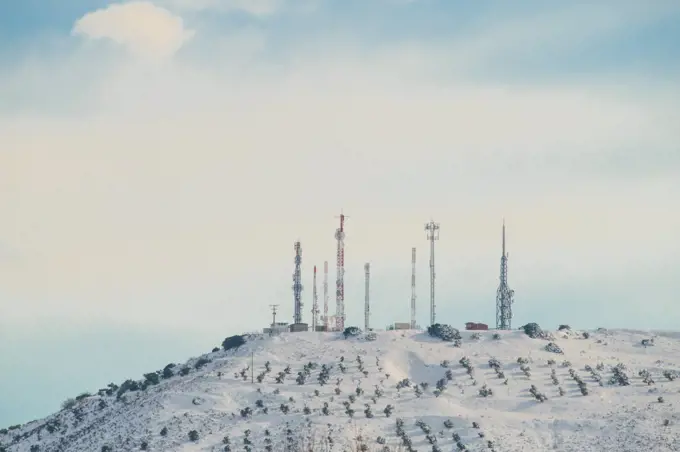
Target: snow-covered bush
<point>444,332</point>
<point>370,336</point>
<point>193,435</point>
<point>351,331</point>
<point>553,348</point>
<point>538,395</point>
<point>485,391</point>
<point>533,330</point>
<point>564,327</point>
<point>233,342</point>
<point>620,377</point>
<point>647,342</point>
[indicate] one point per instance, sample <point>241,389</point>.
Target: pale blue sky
<point>158,160</point>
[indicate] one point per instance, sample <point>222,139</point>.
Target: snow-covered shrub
<point>553,348</point>
<point>201,362</point>
<point>388,410</point>
<point>448,424</point>
<point>496,337</point>
<point>370,336</point>
<point>670,375</point>
<point>475,336</point>
<point>444,332</point>
<point>164,431</point>
<point>620,377</point>
<point>647,342</point>
<point>193,435</point>
<point>646,377</point>
<point>538,395</point>
<point>564,327</point>
<point>533,330</point>
<point>352,331</point>
<point>586,335</point>
<point>445,364</point>
<point>233,342</point>
<point>485,391</point>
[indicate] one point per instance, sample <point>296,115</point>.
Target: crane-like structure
<point>413,288</point>
<point>315,304</point>
<point>325,296</point>
<point>340,278</point>
<point>367,302</point>
<point>432,229</point>
<point>297,284</point>
<point>504,295</point>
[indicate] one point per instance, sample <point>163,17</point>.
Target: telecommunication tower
<point>432,229</point>
<point>315,304</point>
<point>504,295</point>
<point>325,295</point>
<point>367,305</point>
<point>340,279</point>
<point>297,284</point>
<point>413,288</point>
<point>273,306</point>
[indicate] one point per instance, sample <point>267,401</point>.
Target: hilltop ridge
<point>387,390</point>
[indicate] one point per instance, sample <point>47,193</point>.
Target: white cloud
<point>141,26</point>
<point>255,7</point>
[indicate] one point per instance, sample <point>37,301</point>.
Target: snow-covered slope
<point>210,400</point>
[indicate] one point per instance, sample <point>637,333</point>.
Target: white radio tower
<point>367,307</point>
<point>432,229</point>
<point>413,288</point>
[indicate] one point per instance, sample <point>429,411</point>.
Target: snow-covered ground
<point>210,400</point>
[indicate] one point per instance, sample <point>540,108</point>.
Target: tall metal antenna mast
<point>504,295</point>
<point>432,229</point>
<point>325,295</point>
<point>315,304</point>
<point>273,306</point>
<point>297,284</point>
<point>340,279</point>
<point>413,288</point>
<point>367,305</point>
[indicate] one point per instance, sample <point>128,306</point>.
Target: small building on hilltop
<point>402,326</point>
<point>299,327</point>
<point>473,326</point>
<point>277,328</point>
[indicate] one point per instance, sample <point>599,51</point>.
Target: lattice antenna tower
<point>273,306</point>
<point>367,302</point>
<point>297,284</point>
<point>340,278</point>
<point>504,295</point>
<point>325,295</point>
<point>315,304</point>
<point>432,229</point>
<point>413,288</point>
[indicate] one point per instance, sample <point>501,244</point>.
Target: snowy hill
<point>625,407</point>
